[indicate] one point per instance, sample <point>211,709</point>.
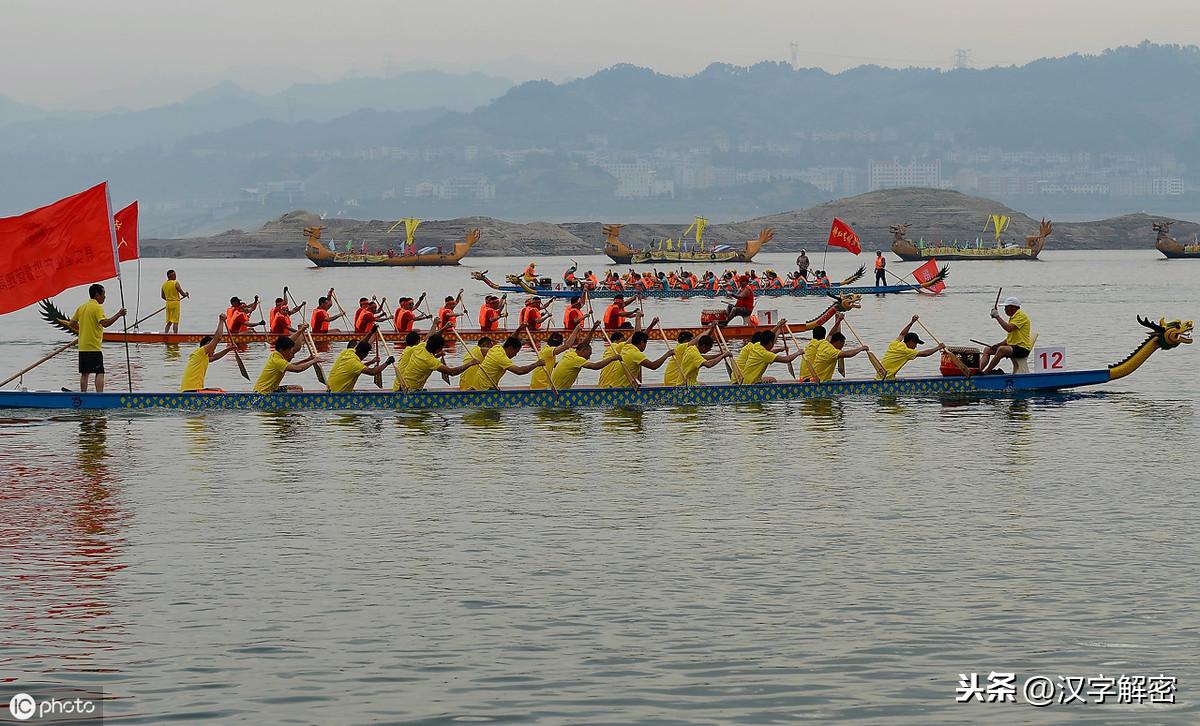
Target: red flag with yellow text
<point>125,222</point>
<point>842,236</point>
<point>927,272</point>
<point>48,250</point>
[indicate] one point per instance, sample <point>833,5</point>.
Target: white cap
<point>1012,301</point>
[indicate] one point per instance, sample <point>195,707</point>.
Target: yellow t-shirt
<point>421,364</point>
<point>756,362</point>
<point>540,379</point>
<point>405,356</point>
<point>566,371</point>
<point>272,373</point>
<point>895,357</point>
<point>820,358</point>
<point>195,370</point>
<point>345,372</point>
<point>91,332</point>
<point>1023,335</point>
<point>689,359</point>
<point>495,365</point>
<point>170,290</point>
<point>617,378</point>
<point>466,382</point>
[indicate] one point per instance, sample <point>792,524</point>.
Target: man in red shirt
<point>743,303</point>
<point>237,315</point>
<point>531,315</point>
<point>446,317</point>
<point>365,316</point>
<point>615,313</point>
<point>281,317</point>
<point>407,314</point>
<point>489,314</point>
<point>320,315</point>
<point>573,318</point>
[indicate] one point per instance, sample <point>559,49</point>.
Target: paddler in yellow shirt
<point>759,356</point>
<point>903,349</point>
<point>426,360</point>
<point>353,362</point>
<point>279,363</point>
<point>196,368</point>
<point>172,292</point>
<point>1019,341</point>
<point>498,361</point>
<point>822,353</point>
<point>477,352</point>
<point>683,367</point>
<point>628,370</point>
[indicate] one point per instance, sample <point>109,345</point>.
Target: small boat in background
<point>1172,248</point>
<point>669,250</point>
<point>322,256</point>
<point>910,251</point>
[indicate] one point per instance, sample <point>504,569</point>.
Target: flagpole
<point>112,233</point>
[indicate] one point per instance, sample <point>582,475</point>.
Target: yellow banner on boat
<point>669,244</point>
<point>410,228</point>
<point>700,224</point>
<point>999,223</point>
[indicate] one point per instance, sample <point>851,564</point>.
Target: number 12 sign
<point>1049,360</point>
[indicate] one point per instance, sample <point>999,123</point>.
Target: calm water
<point>814,561</point>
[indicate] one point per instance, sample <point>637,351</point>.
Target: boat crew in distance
<point>353,362</point>
<point>1017,344</point>
<point>281,317</point>
<point>903,349</point>
<point>530,274</point>
<point>822,354</point>
<point>172,292</point>
<point>880,265</point>
<point>197,363</point>
<point>802,264</point>
<point>89,323</point>
<point>280,363</point>
<point>320,315</point>
<point>406,315</point>
<point>366,316</point>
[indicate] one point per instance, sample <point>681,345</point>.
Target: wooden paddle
<point>733,365</point>
<point>308,340</point>
<point>957,361</point>
<point>236,356</point>
<point>142,320</point>
<point>380,340</point>
<point>786,349</point>
<point>40,361</point>
<point>996,304</point>
<point>879,369</point>
<point>674,355</point>
<point>545,364</point>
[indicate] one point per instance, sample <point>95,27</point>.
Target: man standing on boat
<point>172,292</point>
<point>1019,341</point>
<point>89,323</point>
<point>279,363</point>
<point>196,369</point>
<point>880,265</point>
<point>903,349</point>
<point>353,362</point>
<point>802,264</point>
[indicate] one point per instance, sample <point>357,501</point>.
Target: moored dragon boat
<point>1172,248</point>
<point>1163,336</point>
<point>322,256</point>
<point>910,251</point>
<point>516,284</point>
<point>669,251</point>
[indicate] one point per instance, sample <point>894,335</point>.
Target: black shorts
<point>91,361</point>
<point>1020,352</point>
<point>735,312</point>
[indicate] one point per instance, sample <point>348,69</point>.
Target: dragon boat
<point>516,284</point>
<point>1163,335</point>
<point>910,251</point>
<point>52,315</point>
<point>321,256</point>
<point>1172,248</point>
<point>669,251</point>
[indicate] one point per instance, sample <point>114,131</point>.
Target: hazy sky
<point>80,53</point>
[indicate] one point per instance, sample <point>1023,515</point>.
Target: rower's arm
<point>907,328</point>
<point>781,358</point>
<point>179,288</point>
<point>524,370</point>
<point>1008,327</point>
<point>116,316</point>
<point>299,334</point>
<point>653,365</point>
<point>456,370</point>
<point>597,365</point>
<point>852,352</point>
<point>301,366</point>
<point>930,351</point>
<point>372,370</point>
<point>211,347</point>
<point>715,358</point>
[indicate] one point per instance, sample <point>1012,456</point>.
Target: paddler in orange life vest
<point>530,274</point>
<point>447,318</point>
<point>531,316</point>
<point>281,317</point>
<point>590,280</point>
<point>615,314</point>
<point>880,264</point>
<point>319,323</point>
<point>573,317</point>
<point>406,316</point>
<point>489,314</point>
<point>237,315</point>
<point>365,316</point>
<point>822,280</point>
<point>743,303</point>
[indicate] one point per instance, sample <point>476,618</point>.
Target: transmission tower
<point>795,54</point>
<point>962,58</point>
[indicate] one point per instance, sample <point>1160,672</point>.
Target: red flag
<point>62,245</point>
<point>927,272</point>
<point>126,224</point>
<point>842,236</point>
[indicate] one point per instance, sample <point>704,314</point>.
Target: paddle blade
<point>878,365</point>
<point>320,374</point>
<point>241,366</point>
<point>378,380</point>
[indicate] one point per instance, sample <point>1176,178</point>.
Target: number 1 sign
<point>1049,359</point>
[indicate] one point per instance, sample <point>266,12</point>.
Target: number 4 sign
<point>1049,359</point>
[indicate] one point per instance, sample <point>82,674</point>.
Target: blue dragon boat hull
<point>644,397</point>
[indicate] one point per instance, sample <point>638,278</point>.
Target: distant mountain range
<point>933,215</point>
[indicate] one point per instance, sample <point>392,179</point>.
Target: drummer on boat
<point>1018,342</point>
<point>743,302</point>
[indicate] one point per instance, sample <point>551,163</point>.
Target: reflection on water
<point>624,421</point>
